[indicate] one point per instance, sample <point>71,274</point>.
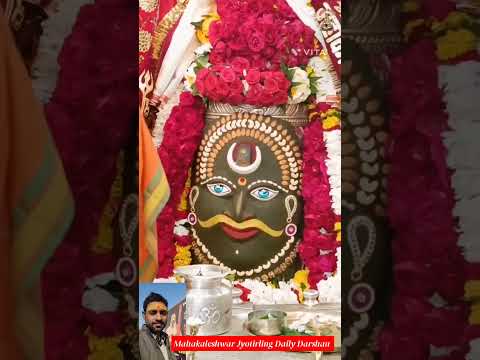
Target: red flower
<point>236,99</point>
<point>219,53</point>
<point>211,82</point>
<point>254,92</point>
<point>253,76</point>
<point>236,87</point>
<point>183,132</point>
<point>187,99</point>
<point>271,85</point>
<point>215,32</point>
<point>227,75</point>
<point>245,292</point>
<point>256,41</point>
<point>239,64</point>
<point>438,9</point>
<point>222,89</point>
<point>317,208</point>
<point>202,74</point>
<point>258,62</point>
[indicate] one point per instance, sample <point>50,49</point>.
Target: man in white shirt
<point>154,343</point>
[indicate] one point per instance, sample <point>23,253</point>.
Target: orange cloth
<point>153,195</point>
<point>36,205</point>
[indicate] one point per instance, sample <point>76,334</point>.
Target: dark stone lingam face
<point>246,191</point>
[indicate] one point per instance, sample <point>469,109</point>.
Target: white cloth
<point>182,49</point>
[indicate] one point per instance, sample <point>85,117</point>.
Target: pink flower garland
<point>317,249</point>
<point>224,83</point>
<point>182,136</point>
<point>264,31</point>
<point>90,105</point>
<point>427,260</point>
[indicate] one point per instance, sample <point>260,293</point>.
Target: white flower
<point>330,289</point>
<point>334,167</point>
<point>474,350</point>
<point>301,91</point>
<point>262,293</point>
<point>190,77</point>
<point>325,84</point>
<point>461,84</point>
<point>100,279</point>
<point>99,300</point>
<point>180,229</point>
<point>96,298</point>
<point>204,49</point>
<point>55,30</point>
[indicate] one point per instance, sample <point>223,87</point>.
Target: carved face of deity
<point>246,195</point>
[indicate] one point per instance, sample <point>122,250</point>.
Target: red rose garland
<point>427,260</point>
<point>317,249</point>
<point>428,264</point>
<point>263,31</point>
<point>90,100</point>
<point>224,83</point>
<point>182,136</point>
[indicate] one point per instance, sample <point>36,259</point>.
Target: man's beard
<point>157,327</point>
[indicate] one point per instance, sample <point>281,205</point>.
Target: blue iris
<point>219,189</point>
<point>264,194</point>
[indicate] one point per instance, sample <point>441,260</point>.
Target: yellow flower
<point>455,43</point>
<point>410,27</point>
<point>456,19</point>
<point>183,256</point>
<point>310,71</point>
<point>438,26</point>
<point>474,318</point>
<point>202,31</point>
<point>183,206</point>
<point>331,122</point>
<point>410,6</point>
<point>301,279</point>
<point>472,290</point>
<point>338,229</point>
<point>104,348</point>
<point>202,37</point>
<point>104,242</point>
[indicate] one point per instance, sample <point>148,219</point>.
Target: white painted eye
<point>264,193</point>
<point>219,189</point>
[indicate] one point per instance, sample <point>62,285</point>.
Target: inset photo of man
<point>162,306</point>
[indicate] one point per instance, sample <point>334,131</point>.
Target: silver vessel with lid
<point>209,299</point>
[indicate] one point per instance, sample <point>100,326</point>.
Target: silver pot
<point>208,298</point>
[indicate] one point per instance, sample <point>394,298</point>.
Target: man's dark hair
<point>154,297</point>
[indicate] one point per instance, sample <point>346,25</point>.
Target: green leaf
<point>288,72</point>
<point>203,60</point>
<point>275,283</point>
<point>291,74</point>
<point>303,287</point>
<point>296,83</point>
<point>197,24</point>
<point>230,277</point>
<point>291,332</point>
